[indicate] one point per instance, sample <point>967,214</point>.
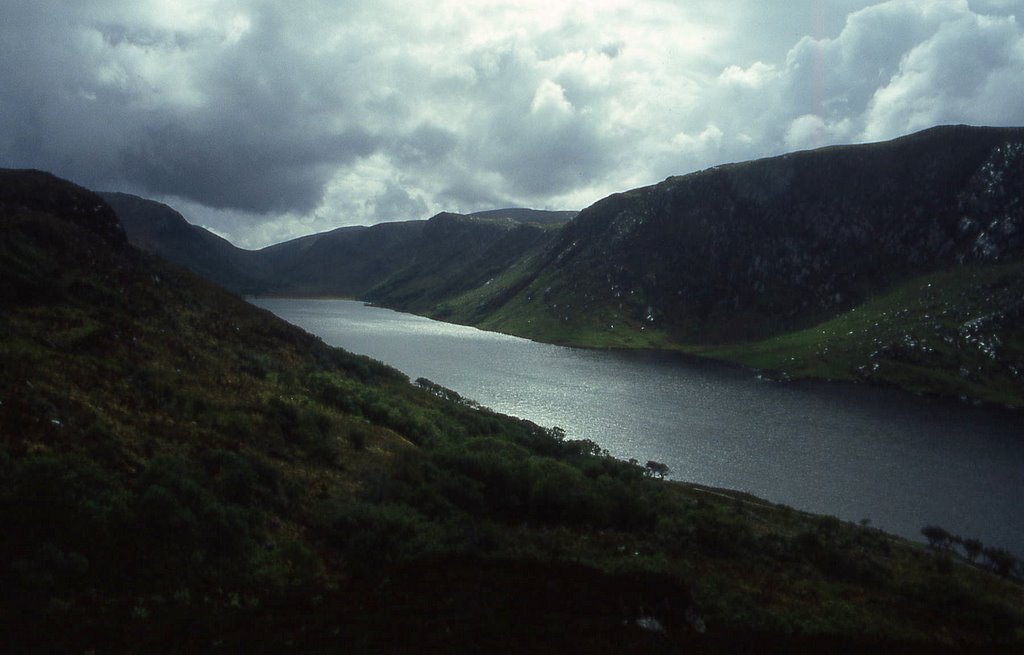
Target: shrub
<point>972,547</point>
<point>373,535</point>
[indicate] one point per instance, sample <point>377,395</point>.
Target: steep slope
<point>410,264</point>
<point>346,262</point>
<point>754,249</point>
<point>457,253</point>
<point>533,216</point>
<point>181,472</point>
<point>745,252</point>
<point>155,227</point>
<point>343,262</point>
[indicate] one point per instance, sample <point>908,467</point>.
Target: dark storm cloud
<point>254,125</point>
<point>266,119</point>
<point>240,166</point>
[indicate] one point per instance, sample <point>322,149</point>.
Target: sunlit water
<point>854,452</point>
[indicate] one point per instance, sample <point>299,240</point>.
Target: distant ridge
<point>345,262</point>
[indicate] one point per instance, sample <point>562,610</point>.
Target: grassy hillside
<point>458,254</point>
<point>341,263</point>
<point>772,263</point>
<point>955,332</point>
<point>182,472</point>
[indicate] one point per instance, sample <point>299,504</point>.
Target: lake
<point>853,452</point>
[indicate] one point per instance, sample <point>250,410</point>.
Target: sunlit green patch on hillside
<point>955,332</point>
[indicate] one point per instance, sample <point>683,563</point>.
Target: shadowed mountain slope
<point>755,249</point>
<point>345,262</point>
<point>433,258</point>
<point>157,228</point>
<point>718,261</point>
<point>750,261</point>
<point>182,472</point>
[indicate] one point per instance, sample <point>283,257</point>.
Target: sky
<point>263,120</point>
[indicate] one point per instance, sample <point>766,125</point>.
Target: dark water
<point>853,452</point>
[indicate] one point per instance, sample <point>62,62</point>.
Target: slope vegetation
<point>719,261</point>
<point>182,472</point>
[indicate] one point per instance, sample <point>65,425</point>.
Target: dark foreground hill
<point>182,472</point>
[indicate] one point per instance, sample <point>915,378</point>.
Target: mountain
<point>751,250</point>
<point>183,472</point>
<point>456,254</point>
<point>414,263</point>
<point>896,263</point>
<point>345,262</point>
<point>348,261</point>
<point>155,227</point>
<point>535,216</point>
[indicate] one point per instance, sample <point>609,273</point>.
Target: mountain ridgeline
<point>897,263</point>
<point>452,250</point>
<point>751,250</point>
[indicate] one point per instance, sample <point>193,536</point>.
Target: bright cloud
<point>266,119</point>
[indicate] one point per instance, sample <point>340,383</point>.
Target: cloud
<point>267,118</point>
<point>893,68</point>
<point>968,70</point>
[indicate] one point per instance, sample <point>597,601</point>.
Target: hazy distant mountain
<point>343,262</point>
<point>407,256</point>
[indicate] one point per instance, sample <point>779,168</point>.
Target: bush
<point>177,523</point>
<point>372,535</point>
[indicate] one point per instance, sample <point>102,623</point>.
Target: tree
<point>657,468</point>
<point>937,537</point>
<point>1001,561</point>
<point>973,548</point>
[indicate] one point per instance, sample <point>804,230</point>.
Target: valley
<point>894,263</point>
<point>180,470</point>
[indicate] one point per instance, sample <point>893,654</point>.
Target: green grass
<point>956,332</point>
